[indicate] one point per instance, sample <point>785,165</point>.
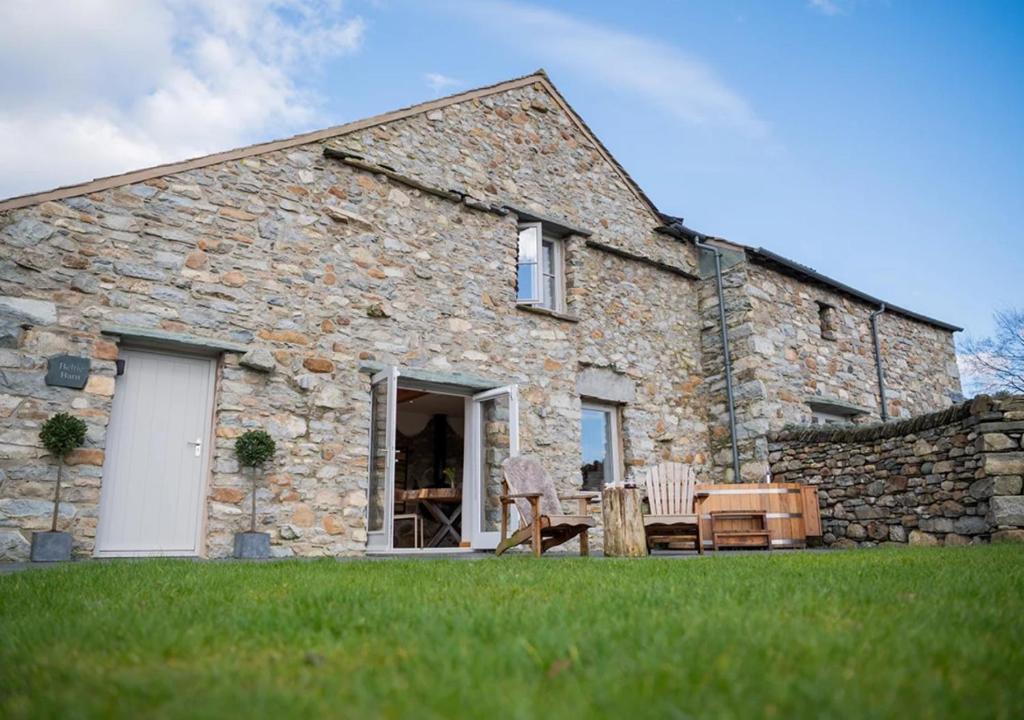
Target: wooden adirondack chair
<point>528,486</point>
<point>672,517</point>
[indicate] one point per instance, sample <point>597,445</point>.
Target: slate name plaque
<point>67,371</point>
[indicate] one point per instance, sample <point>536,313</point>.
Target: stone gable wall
<point>952,477</point>
<point>328,267</point>
<point>519,147</point>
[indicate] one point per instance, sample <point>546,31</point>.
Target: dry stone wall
<point>952,477</point>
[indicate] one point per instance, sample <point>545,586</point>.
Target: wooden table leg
<point>447,526</point>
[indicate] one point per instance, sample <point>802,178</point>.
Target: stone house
<point>402,302</point>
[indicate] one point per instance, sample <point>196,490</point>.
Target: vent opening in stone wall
<point>827,320</point>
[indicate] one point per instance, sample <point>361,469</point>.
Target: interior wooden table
<point>433,501</point>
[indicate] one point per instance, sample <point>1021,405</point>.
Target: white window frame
<point>540,271</point>
<point>613,463</point>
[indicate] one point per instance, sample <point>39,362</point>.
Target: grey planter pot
<point>51,547</point>
<point>252,545</point>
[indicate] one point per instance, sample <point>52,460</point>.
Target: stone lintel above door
<point>184,341</point>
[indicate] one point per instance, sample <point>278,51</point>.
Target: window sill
<point>537,310</point>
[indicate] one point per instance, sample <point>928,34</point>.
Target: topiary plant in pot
<point>253,449</point>
<point>61,434</point>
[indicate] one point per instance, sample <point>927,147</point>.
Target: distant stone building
<point>402,302</point>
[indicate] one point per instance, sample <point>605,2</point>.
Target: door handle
<point>198,442</point>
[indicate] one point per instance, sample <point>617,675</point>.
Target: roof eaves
<point>134,176</point>
<point>795,268</point>
<point>792,267</point>
<point>141,175</point>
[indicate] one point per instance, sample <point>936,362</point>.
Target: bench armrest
<point>522,495</point>
<point>591,496</point>
<point>584,499</point>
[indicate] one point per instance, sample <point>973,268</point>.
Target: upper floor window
<point>541,275</point>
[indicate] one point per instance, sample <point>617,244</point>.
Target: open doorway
<point>436,453</point>
<point>429,469</point>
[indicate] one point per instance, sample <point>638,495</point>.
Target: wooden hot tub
<point>791,510</point>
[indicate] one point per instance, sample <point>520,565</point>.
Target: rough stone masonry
<point>300,268</point>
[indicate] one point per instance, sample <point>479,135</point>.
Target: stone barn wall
<point>324,267</point>
<point>952,477</point>
<point>782,359</point>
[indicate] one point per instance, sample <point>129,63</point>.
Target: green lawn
<point>916,633</point>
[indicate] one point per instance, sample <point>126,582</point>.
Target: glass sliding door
<point>494,437</point>
<point>381,487</point>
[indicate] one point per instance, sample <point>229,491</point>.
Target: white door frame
<point>472,480</point>
<point>384,539</point>
<point>206,436</point>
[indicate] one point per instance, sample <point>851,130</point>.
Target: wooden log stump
<point>623,522</point>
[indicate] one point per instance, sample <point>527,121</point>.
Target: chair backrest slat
<point>691,482</point>
<point>673,489</point>
<point>526,474</point>
<point>670,489</point>
<point>654,487</point>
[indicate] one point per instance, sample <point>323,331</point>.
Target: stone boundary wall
<point>952,477</point>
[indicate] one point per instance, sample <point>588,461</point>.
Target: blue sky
<point>880,142</point>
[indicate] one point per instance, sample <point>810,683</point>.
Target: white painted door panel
<point>494,437</point>
<point>154,471</point>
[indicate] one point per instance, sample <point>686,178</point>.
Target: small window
<point>819,417</point>
<point>827,320</point>
<point>600,445</point>
<point>825,411</point>
<point>540,276</point>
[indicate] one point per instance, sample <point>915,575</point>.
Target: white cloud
<point>97,87</point>
<point>439,83</point>
<point>683,85</point>
<point>825,7</point>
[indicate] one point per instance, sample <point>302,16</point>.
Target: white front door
<point>380,507</point>
<point>154,470</point>
<point>493,436</point>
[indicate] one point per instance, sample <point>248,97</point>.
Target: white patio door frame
<point>473,478</point>
<point>384,538</point>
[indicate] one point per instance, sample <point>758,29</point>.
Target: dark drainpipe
<point>878,361</point>
<point>699,242</point>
